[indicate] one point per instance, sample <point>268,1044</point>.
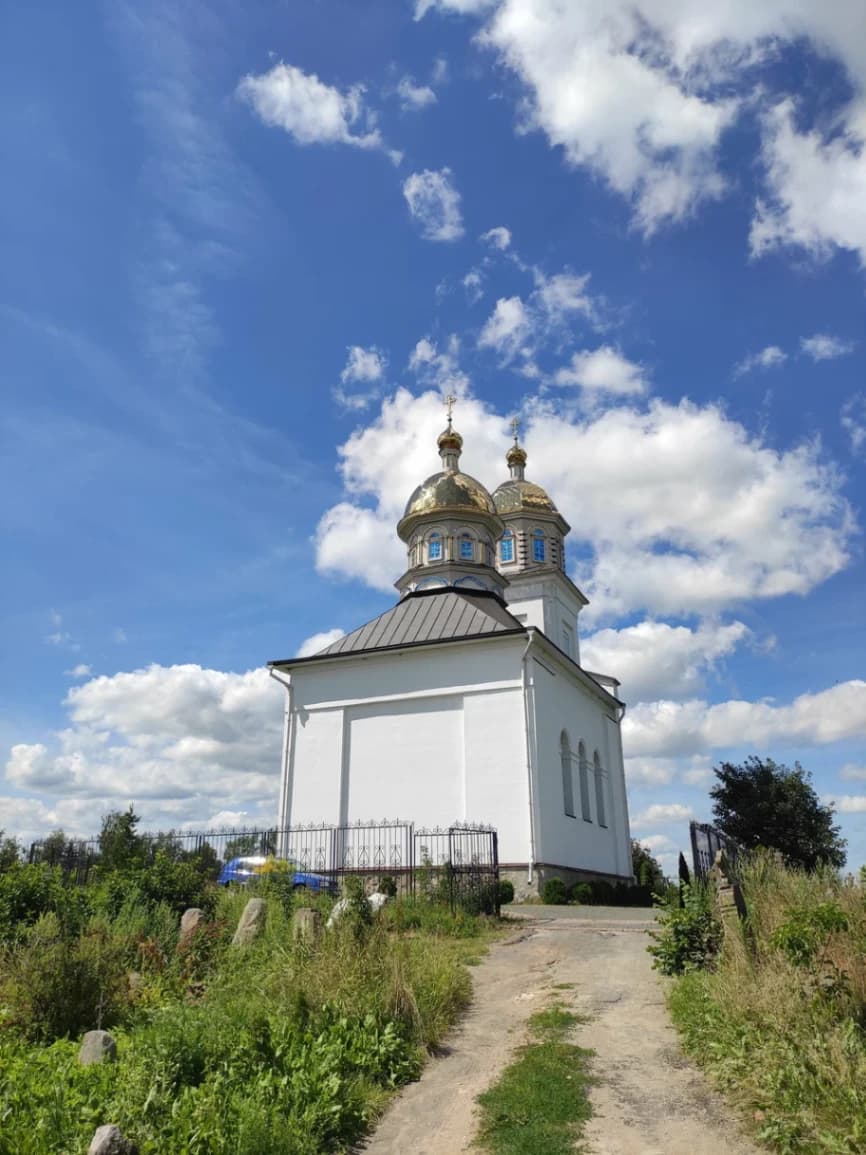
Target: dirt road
<point>648,1100</point>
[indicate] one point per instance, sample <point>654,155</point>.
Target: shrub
<point>603,892</point>
<point>581,893</point>
<point>554,892</point>
<point>689,936</point>
<point>806,932</point>
<point>506,891</point>
<point>55,985</point>
<point>388,885</point>
<point>27,892</point>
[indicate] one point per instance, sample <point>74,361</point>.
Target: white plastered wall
<point>431,735</point>
<point>561,703</point>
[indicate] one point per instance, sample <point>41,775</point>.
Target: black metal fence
<point>706,842</point>
<point>457,865</point>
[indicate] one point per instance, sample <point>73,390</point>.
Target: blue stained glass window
<point>466,548</point>
<point>506,548</point>
<point>538,546</point>
<point>434,548</point>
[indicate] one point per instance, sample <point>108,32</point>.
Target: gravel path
<point>648,1100</point>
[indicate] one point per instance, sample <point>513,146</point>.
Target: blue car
<point>242,871</point>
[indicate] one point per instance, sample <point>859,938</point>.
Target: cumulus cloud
<point>706,515</point>
<point>80,671</point>
<point>770,357</point>
<point>507,327</point>
<point>181,742</point>
<point>498,237</point>
<point>309,110</point>
<point>434,203</point>
<point>662,812</point>
<point>439,365</point>
<point>472,283</point>
<point>853,419</point>
<point>666,728</point>
<point>825,347</point>
<point>317,642</point>
<point>816,188</point>
<point>413,97</point>
<point>640,92</point>
<point>851,772</point>
<point>848,803</point>
<point>364,367</point>
<point>603,371</point>
<point>654,659</point>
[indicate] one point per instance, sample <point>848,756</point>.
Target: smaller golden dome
<point>516,455</point>
<point>449,440</point>
<point>515,495</point>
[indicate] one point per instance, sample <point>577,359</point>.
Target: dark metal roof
<point>427,616</point>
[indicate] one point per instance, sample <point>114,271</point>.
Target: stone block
<point>306,925</point>
<point>109,1140</point>
<point>190,920</point>
<point>97,1047</point>
<point>251,924</point>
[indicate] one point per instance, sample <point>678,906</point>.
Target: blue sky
<point>247,251</point>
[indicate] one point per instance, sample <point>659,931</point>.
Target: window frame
<point>567,776</point>
<point>539,545</point>
<point>434,541</point>
<point>507,539</point>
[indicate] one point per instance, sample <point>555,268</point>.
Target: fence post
<point>495,849</point>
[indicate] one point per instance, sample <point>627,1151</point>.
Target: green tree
<point>120,846</point>
<point>764,803</point>
<point>646,869</point>
<point>10,851</point>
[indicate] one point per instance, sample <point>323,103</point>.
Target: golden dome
<point>449,490</point>
<point>516,494</point>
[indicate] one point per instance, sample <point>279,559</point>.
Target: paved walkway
<point>648,1100</point>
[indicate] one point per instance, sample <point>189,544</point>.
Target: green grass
<point>540,1103</point>
<point>778,1023</point>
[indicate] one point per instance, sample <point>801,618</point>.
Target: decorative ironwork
<point>706,842</point>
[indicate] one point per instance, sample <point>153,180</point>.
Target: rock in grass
<point>97,1047</point>
<point>190,920</point>
<point>109,1140</point>
<point>306,925</point>
<point>252,922</point>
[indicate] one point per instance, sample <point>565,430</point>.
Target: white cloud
<point>413,97</point>
<point>464,7</point>
<point>848,803</point>
<point>119,636</point>
<point>603,370</point>
<point>472,283</point>
<point>657,660</point>
<point>434,203</point>
<point>61,638</point>
<point>851,772</point>
<point>816,187</point>
<point>770,357</point>
<point>825,347</point>
<point>439,367</point>
<point>668,728</point>
<point>499,237</point>
<point>563,296</point>
<point>181,742</point>
<point>79,671</point>
<point>662,812</point>
<point>649,771</point>
<point>309,110</point>
<point>656,842</point>
<point>317,642</point>
<point>507,328</point>
<point>363,367</point>
<point>705,515</point>
<point>853,418</point>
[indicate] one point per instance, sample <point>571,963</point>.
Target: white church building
<point>466,701</point>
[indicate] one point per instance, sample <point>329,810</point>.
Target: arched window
<point>467,547</point>
<point>537,545</point>
<point>567,785</point>
<point>583,771</point>
<point>434,547</point>
<point>506,546</point>
<point>599,789</point>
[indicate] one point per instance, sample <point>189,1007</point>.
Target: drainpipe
<point>527,718</point>
<point>285,792</point>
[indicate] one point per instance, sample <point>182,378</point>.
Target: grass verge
<point>540,1103</point>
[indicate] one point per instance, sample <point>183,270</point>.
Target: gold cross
<point>515,429</point>
<point>450,402</point>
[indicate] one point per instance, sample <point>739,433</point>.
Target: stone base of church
<point>517,874</point>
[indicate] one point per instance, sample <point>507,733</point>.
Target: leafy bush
<point>506,891</point>
<point>554,892</point>
<point>805,932</point>
<point>54,985</point>
<point>689,936</point>
<point>603,892</point>
<point>581,893</point>
<point>27,892</point>
<point>388,885</point>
